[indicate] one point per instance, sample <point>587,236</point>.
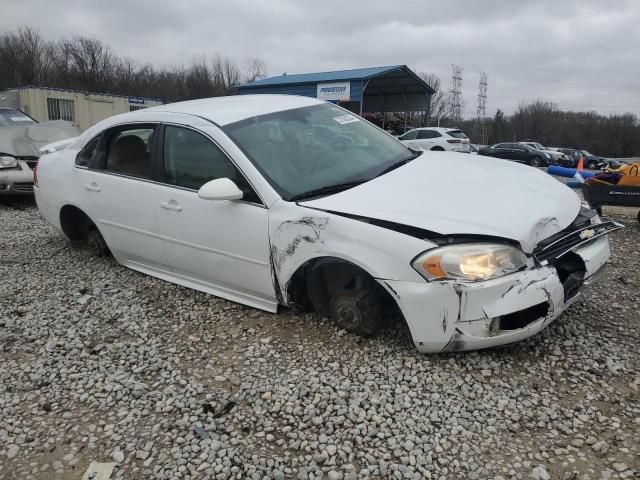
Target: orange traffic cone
<point>580,163</point>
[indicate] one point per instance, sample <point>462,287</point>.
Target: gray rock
<point>118,456</point>
<point>539,473</point>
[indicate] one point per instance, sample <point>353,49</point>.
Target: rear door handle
<point>93,187</point>
<point>171,205</point>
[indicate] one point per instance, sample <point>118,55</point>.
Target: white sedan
<point>275,200</point>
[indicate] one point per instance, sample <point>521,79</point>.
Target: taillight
<point>454,140</point>
<point>35,174</point>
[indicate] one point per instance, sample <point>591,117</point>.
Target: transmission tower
<point>456,93</point>
<point>480,124</point>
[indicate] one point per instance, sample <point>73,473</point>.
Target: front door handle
<point>93,187</point>
<point>171,205</point>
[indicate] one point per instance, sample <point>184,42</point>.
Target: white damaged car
<point>276,200</point>
<point>21,138</point>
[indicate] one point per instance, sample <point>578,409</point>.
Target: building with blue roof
<point>394,88</point>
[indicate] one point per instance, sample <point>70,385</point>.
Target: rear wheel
<point>437,149</point>
<point>357,310</point>
<point>535,161</point>
<point>592,165</point>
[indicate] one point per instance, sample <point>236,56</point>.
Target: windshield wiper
<point>398,164</point>
<point>327,190</point>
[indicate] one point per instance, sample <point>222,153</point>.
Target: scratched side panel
<point>298,234</point>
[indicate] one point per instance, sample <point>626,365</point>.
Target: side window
<point>424,134</point>
<point>129,151</point>
<point>87,153</point>
<point>411,135</point>
<point>191,160</point>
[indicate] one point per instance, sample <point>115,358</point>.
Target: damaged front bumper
<point>456,316</point>
<point>16,181</point>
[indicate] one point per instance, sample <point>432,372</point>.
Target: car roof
<point>226,110</point>
<point>437,129</point>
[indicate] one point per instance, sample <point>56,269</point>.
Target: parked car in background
<point>20,139</point>
<point>555,155</point>
<point>592,162</point>
<point>473,149</point>
<point>276,200</point>
<point>518,153</point>
<point>437,139</point>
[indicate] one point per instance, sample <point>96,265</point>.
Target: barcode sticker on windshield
<point>344,119</point>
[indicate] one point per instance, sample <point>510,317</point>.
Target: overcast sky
<point>580,54</point>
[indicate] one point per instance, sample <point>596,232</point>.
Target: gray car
<point>20,140</point>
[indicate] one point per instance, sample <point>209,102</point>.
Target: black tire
<point>592,165</point>
<point>96,243</point>
<point>536,161</point>
<point>638,217</point>
<point>357,310</point>
<point>437,149</point>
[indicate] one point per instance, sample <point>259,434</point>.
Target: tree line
<point>616,135</point>
<point>83,63</point>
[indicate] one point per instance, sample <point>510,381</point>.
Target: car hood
<point>25,141</point>
<point>455,194</point>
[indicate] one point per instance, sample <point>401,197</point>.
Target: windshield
<point>456,134</point>
<point>305,149</point>
<point>13,118</point>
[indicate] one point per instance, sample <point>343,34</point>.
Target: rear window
<point>14,118</point>
<point>456,133</point>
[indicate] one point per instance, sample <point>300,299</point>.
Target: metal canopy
<point>394,88</point>
<point>400,90</point>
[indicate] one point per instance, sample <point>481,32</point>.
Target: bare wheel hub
<point>346,312</point>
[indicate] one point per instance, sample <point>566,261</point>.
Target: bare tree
<point>255,69</point>
<point>93,63</point>
<point>440,101</point>
<point>23,56</point>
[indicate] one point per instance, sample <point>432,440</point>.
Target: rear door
<point>427,139</point>
<point>119,191</point>
<point>520,153</point>
<point>500,150</point>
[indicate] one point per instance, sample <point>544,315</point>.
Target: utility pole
<point>456,93</point>
<point>480,123</point>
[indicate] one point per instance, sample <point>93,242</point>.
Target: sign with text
<point>334,91</point>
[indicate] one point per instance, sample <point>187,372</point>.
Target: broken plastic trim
<point>525,317</point>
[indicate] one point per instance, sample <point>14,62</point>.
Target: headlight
<point>7,161</point>
<point>471,262</point>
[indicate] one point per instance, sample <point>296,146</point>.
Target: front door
<point>218,246</point>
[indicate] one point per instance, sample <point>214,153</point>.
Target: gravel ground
<point>100,363</point>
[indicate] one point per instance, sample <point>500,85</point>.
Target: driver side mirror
<point>220,189</point>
